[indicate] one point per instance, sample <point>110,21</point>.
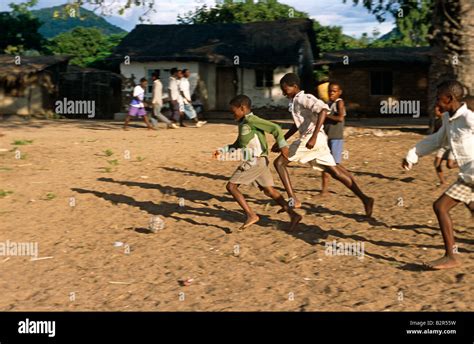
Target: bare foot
<point>292,203</point>
<point>324,194</point>
<point>369,206</point>
<point>447,262</point>
<point>250,221</point>
<point>295,219</point>
<point>126,129</point>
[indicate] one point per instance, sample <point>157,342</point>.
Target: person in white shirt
<point>312,147</point>
<point>457,132</point>
<point>137,107</point>
<point>174,96</point>
<point>185,90</point>
<point>157,101</point>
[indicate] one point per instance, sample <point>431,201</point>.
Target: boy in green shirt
<point>254,169</point>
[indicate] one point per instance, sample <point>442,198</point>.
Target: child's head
<point>334,91</point>
<point>186,73</point>
<point>173,71</point>
<point>155,75</point>
<point>469,100</point>
<point>143,82</point>
<point>290,85</point>
<point>449,96</point>
<point>240,106</point>
<point>179,74</point>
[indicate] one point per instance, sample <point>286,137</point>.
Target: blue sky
<point>354,20</point>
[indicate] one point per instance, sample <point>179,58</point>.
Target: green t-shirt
<point>252,131</point>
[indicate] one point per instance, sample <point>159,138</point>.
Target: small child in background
<point>444,153</point>
<point>137,108</point>
<point>334,128</point>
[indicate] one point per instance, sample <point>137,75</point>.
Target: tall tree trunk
<point>452,42</point>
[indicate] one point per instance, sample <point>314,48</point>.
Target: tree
<point>452,41</point>
<point>450,34</point>
<point>88,45</point>
<point>19,31</point>
<point>412,19</point>
<point>241,12</point>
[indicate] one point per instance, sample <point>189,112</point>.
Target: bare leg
<point>147,122</point>
<point>341,174</point>
<point>239,197</point>
<point>441,207</point>
<point>325,183</point>
<point>127,120</point>
<point>451,164</point>
<point>439,170</point>
<point>281,164</point>
<point>294,217</point>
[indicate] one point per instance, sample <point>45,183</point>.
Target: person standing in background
<point>174,95</point>
<point>185,91</point>
<point>157,101</point>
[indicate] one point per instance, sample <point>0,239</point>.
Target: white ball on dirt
<point>156,223</point>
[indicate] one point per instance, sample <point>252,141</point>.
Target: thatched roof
<point>28,65</point>
<point>275,43</point>
<point>376,55</point>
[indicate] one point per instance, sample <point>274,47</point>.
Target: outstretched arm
<point>426,146</point>
<point>272,128</point>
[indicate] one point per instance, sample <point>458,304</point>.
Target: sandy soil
<point>170,174</point>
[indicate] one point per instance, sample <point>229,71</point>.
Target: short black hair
<point>334,83</point>
<point>241,100</point>
<point>290,79</point>
<point>173,70</point>
<point>156,74</point>
<point>185,70</point>
<point>453,88</point>
<point>143,79</point>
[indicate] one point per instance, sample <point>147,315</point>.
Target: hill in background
<point>53,26</point>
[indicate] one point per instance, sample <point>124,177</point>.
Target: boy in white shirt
<point>137,108</point>
<point>174,96</point>
<point>457,132</point>
<point>157,101</point>
<point>309,114</point>
<point>185,89</point>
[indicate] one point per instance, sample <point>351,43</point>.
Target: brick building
<point>374,75</point>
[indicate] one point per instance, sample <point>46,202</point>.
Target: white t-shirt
<point>157,92</point>
<point>173,88</point>
<point>138,92</point>
<point>305,109</point>
<point>185,87</point>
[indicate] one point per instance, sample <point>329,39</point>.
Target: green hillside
<point>52,26</point>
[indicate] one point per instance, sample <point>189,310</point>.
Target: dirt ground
<point>78,187</point>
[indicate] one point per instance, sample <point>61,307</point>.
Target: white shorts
<point>319,155</point>
<point>445,154</point>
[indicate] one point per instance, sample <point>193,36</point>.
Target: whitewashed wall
<point>206,72</point>
<point>265,96</point>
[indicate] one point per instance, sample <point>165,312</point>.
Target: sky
<point>354,20</point>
